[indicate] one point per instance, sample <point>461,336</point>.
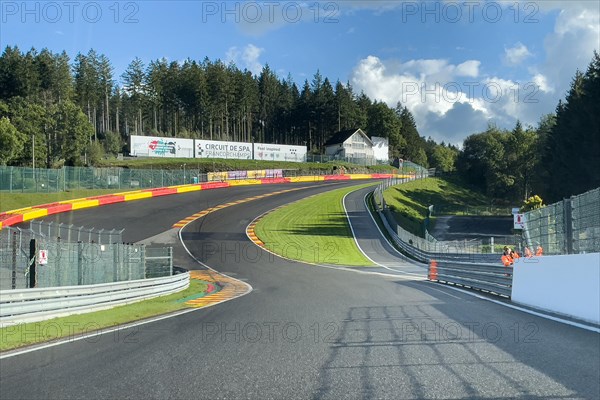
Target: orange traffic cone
<point>433,274</point>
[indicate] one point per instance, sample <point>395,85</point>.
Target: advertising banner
<point>265,173</point>
<point>217,176</point>
<point>152,146</point>
<point>237,174</point>
<point>219,149</point>
<point>279,152</point>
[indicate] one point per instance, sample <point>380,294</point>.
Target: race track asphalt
<point>305,331</point>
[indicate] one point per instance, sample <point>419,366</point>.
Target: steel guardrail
<point>492,278</point>
<point>30,305</point>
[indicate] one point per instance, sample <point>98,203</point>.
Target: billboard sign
<point>218,149</point>
<point>279,152</point>
<point>152,146</point>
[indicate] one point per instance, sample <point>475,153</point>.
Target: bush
<point>532,203</point>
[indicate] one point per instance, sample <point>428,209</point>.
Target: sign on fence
<point>42,257</point>
<point>519,221</point>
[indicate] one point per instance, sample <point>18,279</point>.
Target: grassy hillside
<point>210,165</point>
<point>410,201</point>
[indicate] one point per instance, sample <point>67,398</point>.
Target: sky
<point>457,65</point>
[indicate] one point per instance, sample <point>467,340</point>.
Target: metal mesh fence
<point>72,264</point>
<point>89,261</point>
<point>570,226</point>
<point>14,258</point>
<point>546,227</point>
<point>72,233</point>
<point>586,222</point>
<point>29,180</point>
<point>39,180</point>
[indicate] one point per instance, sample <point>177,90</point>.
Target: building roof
<point>342,136</point>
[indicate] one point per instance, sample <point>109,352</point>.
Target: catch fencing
<point>571,226</point>
<point>428,247</point>
<point>72,233</point>
<point>40,180</point>
<point>39,257</point>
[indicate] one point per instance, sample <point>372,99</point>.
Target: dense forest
<point>41,91</point>
<point>75,111</point>
<point>558,158</point>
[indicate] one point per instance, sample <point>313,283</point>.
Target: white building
<point>352,145</point>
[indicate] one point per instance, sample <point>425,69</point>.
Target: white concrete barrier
<point>568,284</point>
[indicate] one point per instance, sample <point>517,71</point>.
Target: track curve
<point>305,331</point>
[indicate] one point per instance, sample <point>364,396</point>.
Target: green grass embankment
<point>212,165</point>
<point>313,230</point>
<point>409,202</point>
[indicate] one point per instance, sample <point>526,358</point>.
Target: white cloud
<point>447,103</point>
<point>517,54</point>
<point>451,101</point>
<point>433,89</point>
<point>542,82</point>
<point>570,46</point>
<point>247,58</point>
<point>468,68</point>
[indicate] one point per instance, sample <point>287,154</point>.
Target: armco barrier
<point>14,217</point>
<point>31,305</point>
<point>487,277</point>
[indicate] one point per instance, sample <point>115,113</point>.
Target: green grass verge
<point>211,165</point>
<point>12,201</point>
<point>313,230</point>
<point>16,336</point>
<point>410,201</point>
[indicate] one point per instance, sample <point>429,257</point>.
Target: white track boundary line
<point>518,308</point>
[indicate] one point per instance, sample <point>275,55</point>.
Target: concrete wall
<point>568,284</point>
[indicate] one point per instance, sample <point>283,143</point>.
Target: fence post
<point>32,264</point>
<point>568,226</point>
<point>127,260</point>
<point>170,261</point>
<point>115,262</point>
<point>80,263</point>
<point>57,264</point>
<point>14,261</point>
<point>143,259</point>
